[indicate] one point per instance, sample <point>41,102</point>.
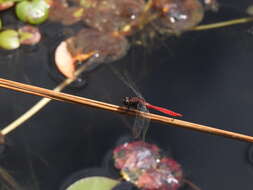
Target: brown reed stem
<point>114,108</point>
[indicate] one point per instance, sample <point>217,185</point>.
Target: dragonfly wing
<point>141,123</point>
<point>132,85</point>
<point>124,77</point>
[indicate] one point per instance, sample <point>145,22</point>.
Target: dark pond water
<point>206,76</point>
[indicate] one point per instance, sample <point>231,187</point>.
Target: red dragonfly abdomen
<point>134,101</point>
<point>163,110</point>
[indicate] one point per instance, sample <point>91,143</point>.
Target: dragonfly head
<point>126,100</point>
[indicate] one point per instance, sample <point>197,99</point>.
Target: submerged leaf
<point>6,5</point>
<point>249,10</point>
<point>29,35</point>
<point>78,13</point>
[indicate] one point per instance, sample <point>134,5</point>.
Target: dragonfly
<point>140,104</point>
<point>136,101</point>
<point>141,124</point>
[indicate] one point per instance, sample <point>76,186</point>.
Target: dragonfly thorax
<point>133,101</point>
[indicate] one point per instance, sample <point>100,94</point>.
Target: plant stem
<point>118,109</point>
<point>42,103</point>
<point>223,24</point>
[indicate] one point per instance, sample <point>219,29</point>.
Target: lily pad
<point>9,39</point>
<point>33,12</point>
<point>94,183</point>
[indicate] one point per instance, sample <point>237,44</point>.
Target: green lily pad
<point>5,1</point>
<point>94,183</point>
<point>9,39</point>
<point>33,12</point>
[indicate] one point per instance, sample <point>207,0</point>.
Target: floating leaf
<point>94,183</point>
<point>9,39</point>
<point>64,60</point>
<point>33,12</point>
